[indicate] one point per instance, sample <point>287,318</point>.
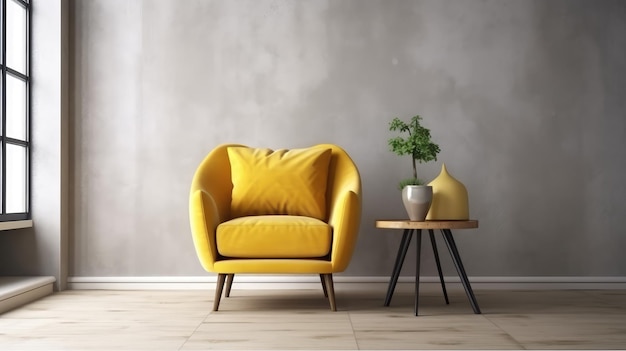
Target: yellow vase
<point>450,200</point>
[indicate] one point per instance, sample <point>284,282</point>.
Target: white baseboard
<point>313,282</point>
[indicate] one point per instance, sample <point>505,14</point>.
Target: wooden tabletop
<point>407,224</point>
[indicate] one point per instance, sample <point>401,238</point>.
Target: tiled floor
<point>301,319</point>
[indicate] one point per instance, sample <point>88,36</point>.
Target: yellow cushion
<point>283,182</point>
<point>273,237</point>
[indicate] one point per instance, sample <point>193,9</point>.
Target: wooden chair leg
<point>331,291</point>
<point>324,285</point>
<point>221,277</point>
<point>229,283</point>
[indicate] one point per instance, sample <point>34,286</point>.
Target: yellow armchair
<point>275,212</point>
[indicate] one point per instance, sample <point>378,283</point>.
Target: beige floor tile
<point>536,301</point>
<point>402,331</point>
<point>90,343</point>
<point>138,333</point>
<point>613,298</point>
<point>273,303</point>
<point>104,320</point>
<point>280,316</point>
<point>404,302</point>
<point>273,336</point>
<point>301,319</point>
<point>565,331</point>
<point>81,305</point>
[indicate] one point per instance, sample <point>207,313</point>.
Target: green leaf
<point>418,143</point>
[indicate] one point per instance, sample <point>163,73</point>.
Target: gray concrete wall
<point>525,98</point>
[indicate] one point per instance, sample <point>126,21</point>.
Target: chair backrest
<point>214,175</point>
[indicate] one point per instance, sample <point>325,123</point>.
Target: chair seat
<point>274,236</point>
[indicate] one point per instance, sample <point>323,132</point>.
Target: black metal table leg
<point>418,244</point>
<point>404,247</point>
<point>436,252</point>
<point>456,258</point>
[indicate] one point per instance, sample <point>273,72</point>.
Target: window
<point>15,110</point>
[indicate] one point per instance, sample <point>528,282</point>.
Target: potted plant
<point>416,196</point>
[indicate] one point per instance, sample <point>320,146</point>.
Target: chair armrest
<point>204,218</point>
<point>345,218</point>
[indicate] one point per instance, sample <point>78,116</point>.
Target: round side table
<point>445,227</point>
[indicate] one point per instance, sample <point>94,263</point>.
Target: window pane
<point>1,174</point>
<point>16,36</point>
<point>16,108</point>
<point>16,179</point>
<point>1,116</point>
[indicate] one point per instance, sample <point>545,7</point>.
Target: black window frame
<point>4,140</point>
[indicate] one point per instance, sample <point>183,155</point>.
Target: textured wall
<point>525,98</point>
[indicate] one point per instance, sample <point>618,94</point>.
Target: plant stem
<point>413,156</point>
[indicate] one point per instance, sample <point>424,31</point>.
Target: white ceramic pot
<point>417,200</point>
